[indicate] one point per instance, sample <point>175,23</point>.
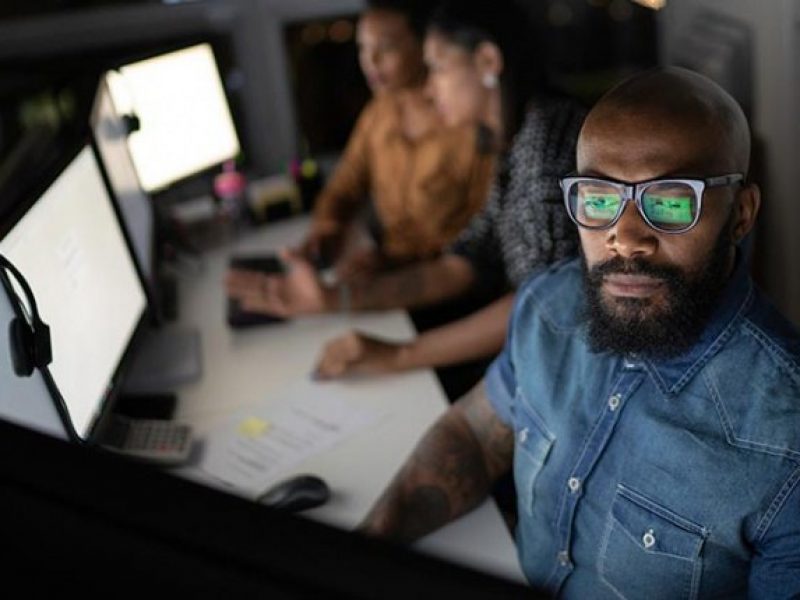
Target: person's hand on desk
<point>299,291</point>
<point>359,354</point>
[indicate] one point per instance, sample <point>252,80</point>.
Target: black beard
<point>635,327</point>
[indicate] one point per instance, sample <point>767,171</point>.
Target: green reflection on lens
<point>601,206</point>
<point>669,210</point>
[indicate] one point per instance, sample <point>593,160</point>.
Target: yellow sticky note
<point>254,427</point>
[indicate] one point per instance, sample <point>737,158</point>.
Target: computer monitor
<point>110,133</point>
<point>185,123</point>
<point>165,358</point>
<point>71,248</point>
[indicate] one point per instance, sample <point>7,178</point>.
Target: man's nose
<point>631,236</point>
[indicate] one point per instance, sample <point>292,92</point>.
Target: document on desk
<point>257,445</point>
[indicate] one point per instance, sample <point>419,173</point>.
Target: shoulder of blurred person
<point>428,179</point>
<point>397,116</point>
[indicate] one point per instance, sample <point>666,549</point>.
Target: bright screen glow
<point>71,249</point>
<point>186,125</point>
<point>134,204</point>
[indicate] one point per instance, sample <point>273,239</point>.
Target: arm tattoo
<point>427,507</point>
<point>448,474</point>
<point>495,437</point>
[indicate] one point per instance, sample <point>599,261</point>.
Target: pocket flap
<point>655,528</point>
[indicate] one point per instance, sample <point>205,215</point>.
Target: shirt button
<point>613,402</point>
<point>574,484</point>
<point>563,558</point>
<point>523,435</point>
<point>648,539</point>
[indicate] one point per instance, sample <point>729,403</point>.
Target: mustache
<point>622,266</point>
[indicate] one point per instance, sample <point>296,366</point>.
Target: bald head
<point>680,102</point>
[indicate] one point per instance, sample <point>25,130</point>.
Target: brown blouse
<point>424,190</point>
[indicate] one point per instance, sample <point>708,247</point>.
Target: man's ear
<point>747,207</point>
<point>488,59</point>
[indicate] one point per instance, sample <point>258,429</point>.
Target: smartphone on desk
<point>237,317</point>
<point>157,441</point>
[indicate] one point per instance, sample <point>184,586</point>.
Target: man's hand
<point>358,354</point>
<point>296,292</point>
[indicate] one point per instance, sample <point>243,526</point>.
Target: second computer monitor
<point>185,122</point>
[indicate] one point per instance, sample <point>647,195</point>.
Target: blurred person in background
<point>480,68</point>
<point>419,180</point>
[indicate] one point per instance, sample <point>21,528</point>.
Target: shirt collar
<point>671,375</point>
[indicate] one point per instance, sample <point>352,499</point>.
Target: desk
<point>242,367</point>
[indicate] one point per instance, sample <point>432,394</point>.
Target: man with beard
<point>648,396</point>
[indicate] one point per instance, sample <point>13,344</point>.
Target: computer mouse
<point>296,493</point>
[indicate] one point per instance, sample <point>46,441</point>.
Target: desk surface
<point>241,368</point>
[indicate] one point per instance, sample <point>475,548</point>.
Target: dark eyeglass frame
<point>635,191</point>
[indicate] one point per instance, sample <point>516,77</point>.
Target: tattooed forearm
<point>495,437</point>
<point>426,508</point>
<point>447,475</point>
<point>443,478</point>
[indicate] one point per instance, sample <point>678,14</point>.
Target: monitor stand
<point>166,357</point>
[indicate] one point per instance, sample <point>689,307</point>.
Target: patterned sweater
<point>524,225</point>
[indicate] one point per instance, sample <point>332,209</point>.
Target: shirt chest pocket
<point>533,444</point>
<point>649,551</point>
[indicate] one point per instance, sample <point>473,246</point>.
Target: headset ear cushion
<point>21,338</point>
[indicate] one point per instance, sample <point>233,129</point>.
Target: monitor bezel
<point>105,406</point>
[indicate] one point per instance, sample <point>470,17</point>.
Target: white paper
<point>259,444</point>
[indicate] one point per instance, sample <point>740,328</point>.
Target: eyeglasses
<point>666,205</point>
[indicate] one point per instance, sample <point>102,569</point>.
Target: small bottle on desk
<point>230,188</point>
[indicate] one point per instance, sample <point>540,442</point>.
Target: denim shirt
<point>653,479</point>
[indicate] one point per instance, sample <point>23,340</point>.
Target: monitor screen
<point>110,135</point>
<point>71,248</point>
<point>185,123</point>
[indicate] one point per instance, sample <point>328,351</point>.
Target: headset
<point>28,335</point>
